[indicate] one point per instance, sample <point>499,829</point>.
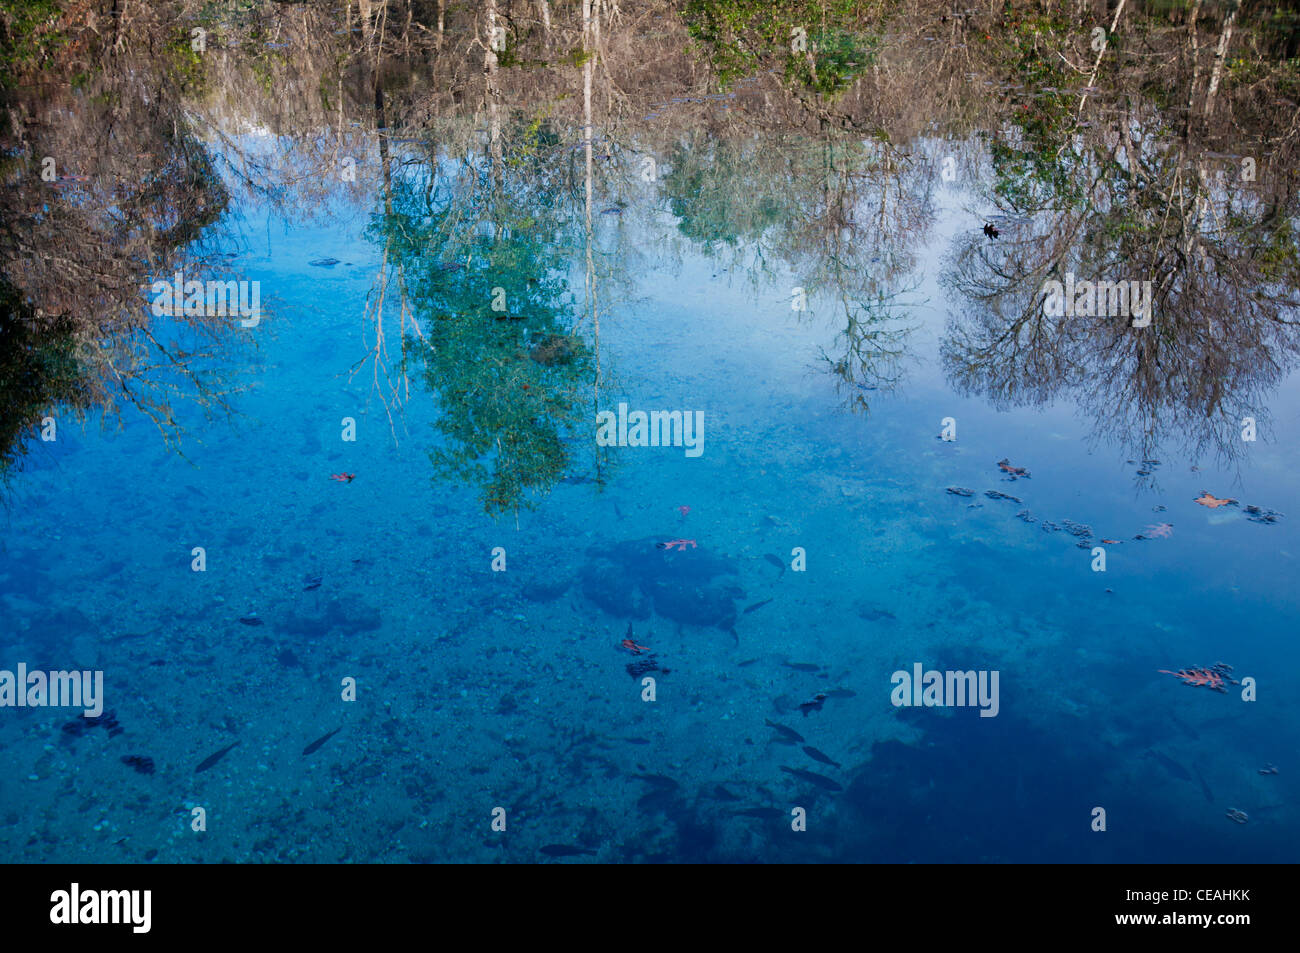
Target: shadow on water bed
<point>636,577</point>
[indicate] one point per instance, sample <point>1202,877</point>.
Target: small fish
<point>634,648</point>
<point>565,850</point>
<point>802,666</point>
<point>820,756</point>
<point>960,491</point>
<point>782,729</point>
<point>141,764</point>
<point>841,693</point>
<point>775,561</point>
<point>636,741</point>
<point>213,758</point>
<point>1170,765</point>
<point>815,704</point>
<point>311,582</point>
<point>250,619</point>
<point>315,745</point>
<point>683,510</point>
<point>323,262</point>
<point>1205,788</point>
<point>756,605</point>
<point>875,615</point>
<point>343,477</point>
<point>812,777</point>
<point>762,813</point>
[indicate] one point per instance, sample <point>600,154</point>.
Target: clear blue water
<point>479,689</point>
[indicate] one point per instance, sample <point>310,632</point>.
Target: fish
<point>311,582</point>
<point>636,741</point>
<point>841,693</point>
<point>812,777</point>
<point>875,615</point>
<point>802,666</point>
<point>820,756</point>
<point>960,491</point>
<point>1205,788</point>
<point>756,605</point>
<point>815,704</point>
<point>323,262</point>
<point>775,561</point>
<point>762,813</point>
<point>343,477</point>
<point>213,758</point>
<point>634,648</point>
<point>315,745</point>
<point>683,510</point>
<point>1170,765</point>
<point>141,764</point>
<point>783,730</point>
<point>565,850</point>
<point>250,619</point>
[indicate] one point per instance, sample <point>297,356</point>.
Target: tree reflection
<point>1222,260</point>
<point>795,142</point>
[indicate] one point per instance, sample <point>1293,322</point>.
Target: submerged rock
<point>634,578</point>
